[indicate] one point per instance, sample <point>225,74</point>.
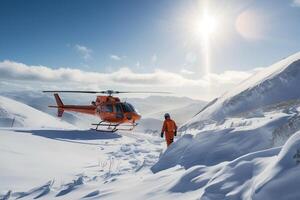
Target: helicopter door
<point>107,112</point>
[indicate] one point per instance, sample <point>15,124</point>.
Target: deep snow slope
<point>277,83</point>
<point>16,114</point>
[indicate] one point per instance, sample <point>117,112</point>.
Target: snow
<point>117,166</point>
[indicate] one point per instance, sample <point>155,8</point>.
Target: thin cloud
<point>296,3</point>
<point>115,57</point>
<point>19,71</point>
<point>84,51</point>
<point>15,72</point>
<point>154,58</point>
<point>186,71</point>
<point>138,64</point>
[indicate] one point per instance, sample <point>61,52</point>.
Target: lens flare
<point>207,27</point>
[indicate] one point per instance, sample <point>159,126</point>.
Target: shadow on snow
<point>72,134</point>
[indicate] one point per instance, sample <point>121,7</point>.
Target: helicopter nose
<point>136,117</point>
<point>133,117</point>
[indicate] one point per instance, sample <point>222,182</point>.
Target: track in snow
<point>60,163</point>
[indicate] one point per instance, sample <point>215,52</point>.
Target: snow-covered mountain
<point>180,114</point>
<point>16,114</point>
<point>277,83</point>
<point>152,108</point>
<point>40,101</point>
<point>156,106</point>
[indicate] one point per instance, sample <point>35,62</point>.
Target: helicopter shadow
<point>74,136</point>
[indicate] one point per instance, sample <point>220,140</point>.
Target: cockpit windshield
<point>127,107</point>
<point>132,108</point>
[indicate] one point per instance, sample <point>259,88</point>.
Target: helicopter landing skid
<point>111,128</point>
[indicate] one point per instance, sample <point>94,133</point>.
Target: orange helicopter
<point>112,112</point>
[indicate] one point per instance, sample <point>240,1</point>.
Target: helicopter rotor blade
<point>145,92</point>
<point>110,92</point>
<point>71,91</point>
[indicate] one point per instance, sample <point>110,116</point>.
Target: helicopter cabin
<point>109,104</point>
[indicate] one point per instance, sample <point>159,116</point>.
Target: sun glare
<point>206,28</point>
<point>207,25</point>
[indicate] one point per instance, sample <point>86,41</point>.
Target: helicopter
<point>114,114</point>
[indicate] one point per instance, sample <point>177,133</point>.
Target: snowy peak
<point>276,83</point>
<point>280,68</point>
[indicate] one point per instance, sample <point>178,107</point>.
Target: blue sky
<point>145,35</point>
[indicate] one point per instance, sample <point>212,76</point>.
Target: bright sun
<point>207,25</point>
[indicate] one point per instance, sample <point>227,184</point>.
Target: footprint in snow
<point>71,186</point>
<point>39,191</point>
<point>125,148</point>
<point>92,194</point>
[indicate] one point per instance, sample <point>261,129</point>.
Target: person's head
<point>167,116</point>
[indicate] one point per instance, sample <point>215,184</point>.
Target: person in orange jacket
<point>169,128</point>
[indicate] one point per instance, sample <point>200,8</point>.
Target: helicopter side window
<point>107,108</point>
